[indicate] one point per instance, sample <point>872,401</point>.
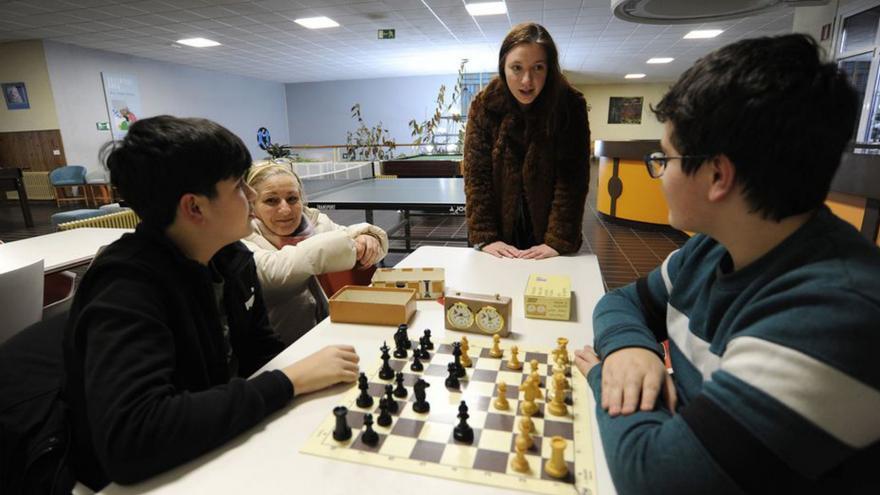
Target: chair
<point>21,295</point>
<point>70,179</point>
<point>58,291</point>
<point>98,188</point>
<point>125,219</point>
<point>332,282</point>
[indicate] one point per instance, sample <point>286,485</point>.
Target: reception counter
<point>625,191</point>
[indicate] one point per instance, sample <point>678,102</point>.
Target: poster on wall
<point>123,102</point>
<point>625,110</point>
<point>16,96</point>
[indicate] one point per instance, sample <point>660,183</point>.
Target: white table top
<point>266,459</point>
<point>62,250</point>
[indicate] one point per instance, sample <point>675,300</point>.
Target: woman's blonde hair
<point>262,171</point>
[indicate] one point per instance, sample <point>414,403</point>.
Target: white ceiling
<point>261,40</point>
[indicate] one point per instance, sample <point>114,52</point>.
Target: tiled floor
<point>625,253</point>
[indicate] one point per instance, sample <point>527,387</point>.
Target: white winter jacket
<point>294,298</point>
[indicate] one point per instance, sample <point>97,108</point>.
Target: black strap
<point>655,316</point>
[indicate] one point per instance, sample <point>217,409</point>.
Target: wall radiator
<point>37,186</point>
<point>126,219</point>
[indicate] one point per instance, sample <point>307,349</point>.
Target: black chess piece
<point>384,418</point>
<point>369,436</point>
<point>463,432</point>
<point>386,372</point>
<point>452,379</point>
<point>342,432</point>
<point>456,354</point>
<point>364,400</point>
<point>428,339</point>
<point>423,349</point>
<point>400,340</point>
<point>421,405</point>
<point>389,396</point>
<point>417,361</point>
<point>402,329</point>
<point>399,391</point>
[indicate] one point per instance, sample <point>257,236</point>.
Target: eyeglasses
<point>656,162</point>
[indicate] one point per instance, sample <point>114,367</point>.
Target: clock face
<point>460,315</point>
<point>489,319</point>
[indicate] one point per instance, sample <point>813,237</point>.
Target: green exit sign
<point>103,126</point>
<point>386,34</point>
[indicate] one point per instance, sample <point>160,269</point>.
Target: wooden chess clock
<point>478,313</point>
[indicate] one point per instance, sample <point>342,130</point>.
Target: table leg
<point>23,200</point>
<point>406,230</point>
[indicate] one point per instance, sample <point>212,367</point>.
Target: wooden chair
<point>69,183</point>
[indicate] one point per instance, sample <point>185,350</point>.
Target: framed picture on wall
<point>625,110</point>
<point>16,96</point>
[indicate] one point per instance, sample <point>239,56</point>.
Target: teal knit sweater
<point>776,366</point>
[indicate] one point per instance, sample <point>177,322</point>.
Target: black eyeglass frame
<point>649,157</point>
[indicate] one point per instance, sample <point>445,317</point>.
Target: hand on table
<point>500,249</point>
<point>632,378</point>
<point>368,250</point>
<point>538,252</point>
<point>329,366</point>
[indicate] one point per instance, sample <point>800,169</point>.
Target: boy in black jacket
<point>169,322</point>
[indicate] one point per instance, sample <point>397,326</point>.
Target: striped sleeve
<point>619,318</point>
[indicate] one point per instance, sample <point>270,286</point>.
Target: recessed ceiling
<point>259,38</point>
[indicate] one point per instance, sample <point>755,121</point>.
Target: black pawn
<point>463,432</point>
<point>452,379</point>
<point>420,405</point>
<point>369,436</point>
<point>428,339</point>
<point>399,391</point>
<point>423,349</point>
<point>400,345</point>
<point>402,329</point>
<point>456,353</point>
<point>386,372</point>
<point>417,361</point>
<point>342,431</point>
<point>364,400</point>
<point>384,418</point>
<point>389,397</point>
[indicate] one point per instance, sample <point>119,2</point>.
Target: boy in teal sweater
<point>772,311</point>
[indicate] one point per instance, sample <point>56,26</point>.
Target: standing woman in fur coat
<point>526,153</point>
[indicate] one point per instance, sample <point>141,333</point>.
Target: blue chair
<point>69,183</point>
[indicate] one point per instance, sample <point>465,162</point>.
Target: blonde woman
<point>292,243</point>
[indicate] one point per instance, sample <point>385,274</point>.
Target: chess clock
<point>479,313</point>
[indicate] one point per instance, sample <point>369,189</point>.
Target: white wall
<point>320,113</point>
<point>599,96</point>
<point>238,103</point>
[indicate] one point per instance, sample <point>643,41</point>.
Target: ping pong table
<point>424,196</point>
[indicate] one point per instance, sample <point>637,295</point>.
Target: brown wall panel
<point>32,150</point>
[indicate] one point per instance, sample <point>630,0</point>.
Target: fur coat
<point>508,151</point>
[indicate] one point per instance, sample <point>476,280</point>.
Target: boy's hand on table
<point>632,379</point>
<point>329,366</point>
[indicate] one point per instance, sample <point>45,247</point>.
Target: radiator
<point>126,219</point>
<point>37,186</point>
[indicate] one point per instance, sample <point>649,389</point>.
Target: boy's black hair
<point>781,115</point>
<point>162,158</point>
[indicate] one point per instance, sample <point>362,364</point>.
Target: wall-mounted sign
<point>102,126</point>
<point>386,34</point>
<point>123,102</point>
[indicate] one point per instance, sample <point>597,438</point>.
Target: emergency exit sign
<point>386,34</point>
<point>103,126</point>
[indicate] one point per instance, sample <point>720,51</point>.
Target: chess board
<point>423,443</point>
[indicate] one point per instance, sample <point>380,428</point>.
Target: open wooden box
<point>372,305</point>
